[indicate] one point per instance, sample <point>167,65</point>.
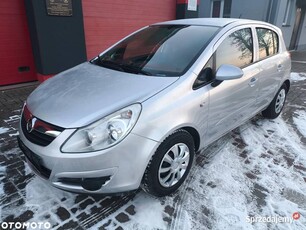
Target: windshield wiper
<point>111,65</point>
<point>123,67</point>
<point>135,69</point>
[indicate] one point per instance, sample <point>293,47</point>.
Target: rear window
<point>268,42</point>
<point>162,50</point>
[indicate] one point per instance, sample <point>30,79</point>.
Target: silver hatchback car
<point>136,114</point>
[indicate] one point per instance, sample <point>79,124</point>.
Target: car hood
<point>86,93</point>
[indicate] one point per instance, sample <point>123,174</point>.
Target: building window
<point>221,8</point>
<point>288,13</point>
<point>227,8</point>
<point>271,12</point>
<point>217,8</point>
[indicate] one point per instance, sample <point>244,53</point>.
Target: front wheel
<point>170,164</point>
<point>277,105</point>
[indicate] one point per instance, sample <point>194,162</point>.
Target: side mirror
<point>228,72</point>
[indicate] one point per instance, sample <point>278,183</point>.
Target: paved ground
<point>258,169</point>
<point>299,61</point>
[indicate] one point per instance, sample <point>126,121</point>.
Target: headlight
<point>105,132</point>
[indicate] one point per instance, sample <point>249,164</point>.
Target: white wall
<point>302,40</point>
<point>286,29</point>
<point>205,9</point>
<point>256,10</point>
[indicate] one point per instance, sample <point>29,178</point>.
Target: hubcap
<point>173,165</point>
<point>280,100</point>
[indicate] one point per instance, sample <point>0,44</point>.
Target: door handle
<point>280,67</point>
<point>253,81</point>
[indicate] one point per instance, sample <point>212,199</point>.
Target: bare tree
<point>265,39</point>
<point>243,40</point>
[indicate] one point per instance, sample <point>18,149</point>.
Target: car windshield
<point>159,50</point>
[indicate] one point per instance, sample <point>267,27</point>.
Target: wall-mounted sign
<point>192,5</point>
<point>59,7</point>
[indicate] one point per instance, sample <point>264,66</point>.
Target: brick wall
<point>107,21</point>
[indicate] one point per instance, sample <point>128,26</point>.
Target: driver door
<point>233,101</point>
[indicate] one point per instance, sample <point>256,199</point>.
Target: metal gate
<point>16,58</point>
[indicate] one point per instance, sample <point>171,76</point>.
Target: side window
<point>268,42</point>
<point>236,49</point>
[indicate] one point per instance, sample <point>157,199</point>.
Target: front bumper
<point>113,170</point>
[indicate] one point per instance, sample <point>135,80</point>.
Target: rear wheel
<point>170,164</point>
<point>277,105</point>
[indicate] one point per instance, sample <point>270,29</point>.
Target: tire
<point>277,105</point>
<point>166,171</point>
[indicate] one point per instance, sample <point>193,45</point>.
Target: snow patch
<point>297,76</point>
<point>13,118</point>
<point>149,214</point>
<point>269,144</point>
<point>223,192</point>
<point>300,121</point>
<point>236,183</point>
<point>2,175</point>
<point>40,197</point>
<point>3,130</point>
<point>27,169</point>
<point>14,134</point>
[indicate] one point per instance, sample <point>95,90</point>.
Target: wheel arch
<point>287,83</point>
<point>195,135</point>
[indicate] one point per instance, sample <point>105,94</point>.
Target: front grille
<point>37,135</point>
<point>35,161</point>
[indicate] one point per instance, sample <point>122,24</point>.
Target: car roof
<point>218,22</point>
